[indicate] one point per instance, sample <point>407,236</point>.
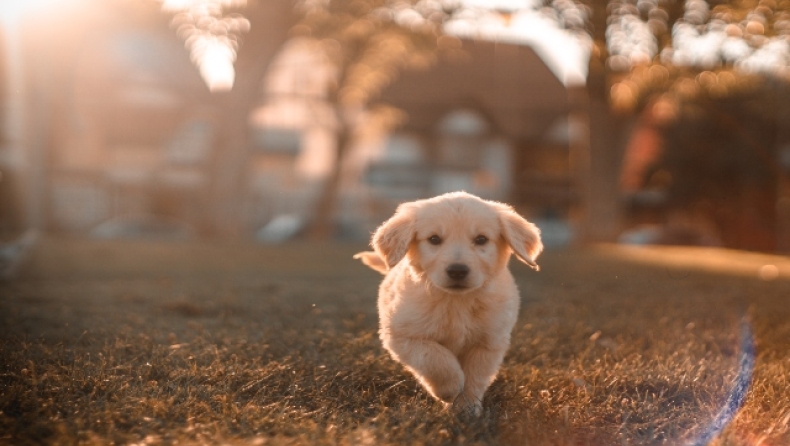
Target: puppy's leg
<point>480,365</point>
<point>434,366</point>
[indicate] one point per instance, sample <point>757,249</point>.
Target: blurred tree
<point>746,38</point>
<point>369,43</point>
<point>720,161</point>
<point>243,37</point>
<point>713,77</point>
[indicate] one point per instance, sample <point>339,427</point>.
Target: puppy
<point>448,302</point>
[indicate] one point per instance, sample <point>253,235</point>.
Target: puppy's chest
<point>456,325</point>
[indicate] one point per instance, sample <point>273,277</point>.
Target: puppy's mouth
<point>456,287</point>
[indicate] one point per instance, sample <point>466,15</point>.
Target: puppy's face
<point>457,241</point>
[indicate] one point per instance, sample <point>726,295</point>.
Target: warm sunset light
<point>395,222</point>
<point>210,36</point>
<point>12,11</point>
<point>181,5</point>
<point>215,60</point>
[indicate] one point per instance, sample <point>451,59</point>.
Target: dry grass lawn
<point>119,342</point>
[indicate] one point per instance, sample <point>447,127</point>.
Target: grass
<point>139,343</point>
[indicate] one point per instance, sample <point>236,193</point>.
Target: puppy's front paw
<point>466,405</point>
<point>447,387</point>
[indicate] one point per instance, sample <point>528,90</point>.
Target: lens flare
<point>737,395</point>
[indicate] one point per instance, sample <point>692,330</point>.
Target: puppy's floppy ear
<point>372,260</point>
<point>391,240</point>
<point>522,236</point>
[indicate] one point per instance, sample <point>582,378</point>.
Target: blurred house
<point>493,121</point>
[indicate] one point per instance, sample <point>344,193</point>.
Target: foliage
<point>369,42</point>
<point>743,38</point>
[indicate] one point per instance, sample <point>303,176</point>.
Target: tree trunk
<point>231,146</point>
<point>602,209</point>
<point>270,22</point>
<point>323,226</point>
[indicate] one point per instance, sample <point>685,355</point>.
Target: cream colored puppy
<point>448,302</point>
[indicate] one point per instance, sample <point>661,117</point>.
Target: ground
<point>150,343</point>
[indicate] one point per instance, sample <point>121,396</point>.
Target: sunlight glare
<point>216,65</point>
<point>507,5</point>
<point>743,44</point>
<point>15,10</point>
<point>198,22</point>
<point>183,5</point>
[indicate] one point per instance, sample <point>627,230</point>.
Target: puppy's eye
<point>435,240</point>
<point>481,240</point>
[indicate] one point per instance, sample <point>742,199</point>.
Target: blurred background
<point>631,121</point>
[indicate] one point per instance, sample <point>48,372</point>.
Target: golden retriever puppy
<point>448,302</point>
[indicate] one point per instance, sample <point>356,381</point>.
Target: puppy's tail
<point>372,260</point>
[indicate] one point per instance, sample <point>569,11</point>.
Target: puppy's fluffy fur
<point>448,302</point>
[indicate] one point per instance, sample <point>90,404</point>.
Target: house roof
<point>508,83</point>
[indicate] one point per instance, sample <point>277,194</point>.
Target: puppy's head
<point>457,241</point>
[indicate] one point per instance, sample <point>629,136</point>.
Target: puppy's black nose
<point>457,271</point>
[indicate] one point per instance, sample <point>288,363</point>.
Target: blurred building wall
<point>106,120</point>
<point>496,121</point>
